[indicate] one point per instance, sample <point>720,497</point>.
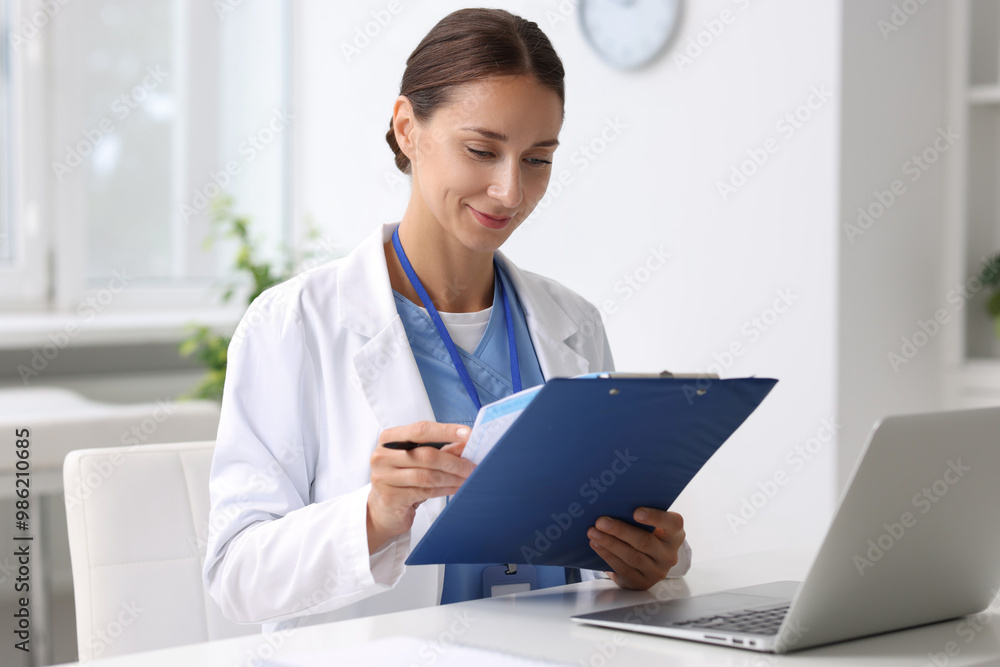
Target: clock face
<point>628,33</point>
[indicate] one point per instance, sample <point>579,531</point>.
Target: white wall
<point>655,185</point>
<point>894,84</point>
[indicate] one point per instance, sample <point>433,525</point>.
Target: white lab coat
<point>318,367</point>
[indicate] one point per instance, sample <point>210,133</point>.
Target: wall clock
<point>628,34</point>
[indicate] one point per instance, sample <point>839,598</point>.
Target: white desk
<point>537,625</point>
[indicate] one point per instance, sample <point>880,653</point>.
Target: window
<point>152,108</point>
<point>6,140</point>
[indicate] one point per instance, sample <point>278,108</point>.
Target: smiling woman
<point>480,165</point>
<point>404,340</point>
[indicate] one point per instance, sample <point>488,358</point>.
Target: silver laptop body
<point>915,540</point>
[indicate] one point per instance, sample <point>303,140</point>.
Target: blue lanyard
<point>515,370</point>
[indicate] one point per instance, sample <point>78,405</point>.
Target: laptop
<point>915,540</point>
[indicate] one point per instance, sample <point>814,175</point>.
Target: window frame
<point>6,136</point>
<point>49,219</point>
<point>24,284</point>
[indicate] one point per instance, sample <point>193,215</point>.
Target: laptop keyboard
<point>765,621</point>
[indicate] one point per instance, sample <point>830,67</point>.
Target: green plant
<point>209,347</point>
<point>990,275</point>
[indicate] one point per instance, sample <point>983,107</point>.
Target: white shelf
<point>29,330</point>
<point>976,383</point>
<point>984,95</point>
<point>982,372</point>
<point>972,352</point>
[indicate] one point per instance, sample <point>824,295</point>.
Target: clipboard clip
<point>662,374</point>
<point>699,391</point>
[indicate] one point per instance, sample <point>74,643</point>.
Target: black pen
<point>406,445</point>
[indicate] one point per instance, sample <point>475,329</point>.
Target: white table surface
<point>537,625</point>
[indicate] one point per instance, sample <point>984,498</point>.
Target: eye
<point>533,161</point>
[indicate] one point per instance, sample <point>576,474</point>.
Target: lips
<point>493,222</point>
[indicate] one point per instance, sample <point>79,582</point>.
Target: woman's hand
<point>402,480</point>
<point>639,558</point>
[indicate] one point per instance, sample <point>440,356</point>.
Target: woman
<point>311,518</point>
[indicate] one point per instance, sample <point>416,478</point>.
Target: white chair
<point>138,521</point>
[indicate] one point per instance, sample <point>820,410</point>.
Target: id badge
<point>506,579</point>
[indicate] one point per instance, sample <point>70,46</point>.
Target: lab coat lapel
<point>552,330</point>
<point>386,369</point>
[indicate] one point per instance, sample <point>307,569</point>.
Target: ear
<point>404,124</point>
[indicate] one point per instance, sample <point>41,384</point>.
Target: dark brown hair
<point>471,45</point>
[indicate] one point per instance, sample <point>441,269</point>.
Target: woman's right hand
<point>402,480</point>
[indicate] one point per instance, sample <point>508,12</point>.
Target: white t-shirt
<point>466,329</point>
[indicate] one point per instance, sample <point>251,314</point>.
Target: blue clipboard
<point>585,448</point>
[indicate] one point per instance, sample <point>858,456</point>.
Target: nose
<point>506,187</point>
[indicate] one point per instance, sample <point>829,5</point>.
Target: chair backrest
<point>138,524</point>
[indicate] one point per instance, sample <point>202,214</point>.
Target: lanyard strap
<point>463,373</point>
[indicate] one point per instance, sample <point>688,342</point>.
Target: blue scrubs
<point>489,368</point>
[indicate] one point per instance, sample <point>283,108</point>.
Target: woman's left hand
<point>639,558</point>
